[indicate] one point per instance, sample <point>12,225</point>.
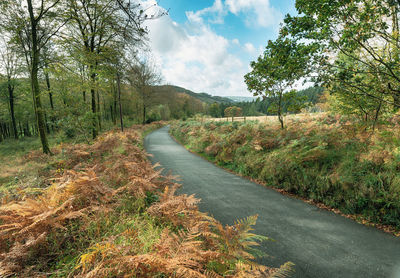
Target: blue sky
<point>207,45</point>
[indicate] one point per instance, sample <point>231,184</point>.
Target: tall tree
<point>10,63</point>
<point>143,76</point>
<point>96,25</point>
<point>274,73</point>
<point>32,36</point>
<point>365,31</point>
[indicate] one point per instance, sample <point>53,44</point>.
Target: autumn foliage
<point>117,216</point>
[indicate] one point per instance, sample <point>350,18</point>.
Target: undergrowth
<point>331,160</point>
<point>103,210</point>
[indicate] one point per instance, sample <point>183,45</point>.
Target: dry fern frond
<point>284,271</point>
<point>181,210</point>
<point>112,168</point>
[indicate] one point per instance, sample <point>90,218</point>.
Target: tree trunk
<point>378,110</point>
<point>1,132</point>
<point>115,106</point>
<point>93,96</point>
<point>280,111</point>
<point>396,54</point>
<point>49,90</point>
<point>35,83</point>
<point>119,100</point>
<point>144,114</point>
<point>47,123</point>
<point>105,114</point>
<point>28,130</point>
<point>12,112</point>
<point>20,128</point>
<point>94,124</point>
<point>112,113</point>
<point>84,96</point>
<point>98,110</point>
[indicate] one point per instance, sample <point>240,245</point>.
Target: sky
<point>207,45</point>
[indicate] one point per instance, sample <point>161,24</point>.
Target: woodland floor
<point>319,242</point>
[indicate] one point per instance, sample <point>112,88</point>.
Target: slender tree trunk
<point>12,112</point>
<point>144,114</point>
<point>111,113</point>
<point>119,100</point>
<point>35,82</point>
<point>4,130</point>
<point>280,110</point>
<point>49,90</point>
<point>52,118</point>
<point>20,129</point>
<point>1,132</point>
<point>28,130</point>
<point>378,110</point>
<point>98,110</point>
<point>115,106</point>
<point>47,123</point>
<point>105,114</point>
<point>395,52</point>
<point>84,96</point>
<point>93,96</point>
<point>94,124</point>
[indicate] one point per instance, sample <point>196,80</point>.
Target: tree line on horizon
<point>307,99</point>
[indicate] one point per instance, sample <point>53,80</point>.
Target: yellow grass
<point>269,119</point>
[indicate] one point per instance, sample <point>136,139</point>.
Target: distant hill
<point>204,97</point>
<point>243,99</point>
<point>173,102</point>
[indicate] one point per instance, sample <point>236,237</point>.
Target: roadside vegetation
<point>331,160</point>
<point>102,210</point>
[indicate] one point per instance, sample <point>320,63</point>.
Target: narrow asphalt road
<point>320,243</point>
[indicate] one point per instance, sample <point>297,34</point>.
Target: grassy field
<point>330,160</point>
<point>268,119</point>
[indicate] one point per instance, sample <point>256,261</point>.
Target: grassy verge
<point>331,161</point>
<point>102,210</point>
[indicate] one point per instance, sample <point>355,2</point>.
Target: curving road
<point>320,243</point>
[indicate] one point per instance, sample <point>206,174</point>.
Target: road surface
<point>320,243</point>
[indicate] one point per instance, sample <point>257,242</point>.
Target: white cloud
<point>258,12</point>
<point>217,12</point>
<point>249,47</point>
<point>195,57</point>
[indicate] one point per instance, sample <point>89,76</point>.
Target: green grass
<point>12,147</point>
<point>129,215</point>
